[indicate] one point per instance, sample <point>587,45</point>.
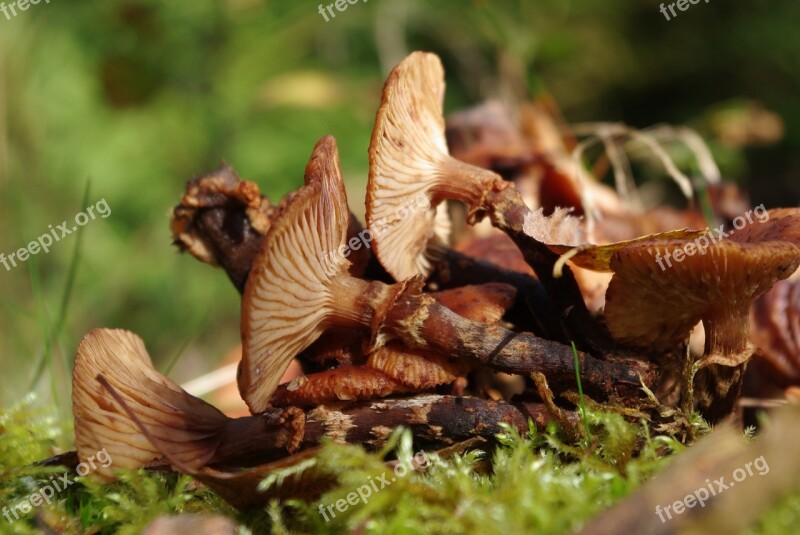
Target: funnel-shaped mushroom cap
<point>411,171</point>
<point>288,294</point>
<point>407,144</point>
<point>187,425</point>
<point>654,298</point>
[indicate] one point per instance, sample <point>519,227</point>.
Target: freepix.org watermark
<point>703,494</point>
<point>45,241</point>
<point>362,493</point>
<point>340,5</point>
<point>701,244</point>
<point>57,484</point>
<point>10,9</point>
<point>682,5</point>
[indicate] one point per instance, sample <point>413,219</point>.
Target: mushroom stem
<point>727,336</point>
<point>720,372</point>
<point>468,184</point>
<point>357,302</point>
<point>717,388</point>
<point>718,383</point>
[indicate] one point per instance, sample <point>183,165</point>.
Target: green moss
<point>537,482</point>
<point>27,436</point>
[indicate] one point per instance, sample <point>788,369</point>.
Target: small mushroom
<point>655,297</point>
<point>122,405</point>
<point>189,426</point>
<point>300,286</point>
<point>409,160</point>
<point>717,285</point>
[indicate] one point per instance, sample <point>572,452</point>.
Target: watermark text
<point>703,494</point>
<point>45,241</point>
<point>362,493</point>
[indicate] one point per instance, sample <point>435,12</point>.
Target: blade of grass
<point>46,358</point>
<point>44,322</point>
<point>580,395</point>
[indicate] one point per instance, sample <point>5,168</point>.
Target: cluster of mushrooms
<point>417,320</point>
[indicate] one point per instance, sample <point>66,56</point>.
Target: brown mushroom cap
<point>299,285</point>
<point>647,306</point>
<point>411,169</point>
<point>188,425</point>
<point>484,303</point>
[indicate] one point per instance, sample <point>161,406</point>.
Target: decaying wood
<point>221,220</point>
<point>423,323</point>
<point>253,447</point>
<point>435,421</point>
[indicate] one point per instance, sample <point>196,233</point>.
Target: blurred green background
<point>139,96</point>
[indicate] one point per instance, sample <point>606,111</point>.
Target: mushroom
<point>189,426</point>
<point>661,288</point>
<point>300,286</point>
<point>716,283</point>
<point>221,220</point>
<point>116,392</point>
<point>410,167</point>
<point>409,160</point>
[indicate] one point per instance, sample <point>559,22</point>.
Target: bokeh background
<point>136,97</point>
